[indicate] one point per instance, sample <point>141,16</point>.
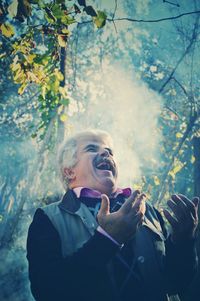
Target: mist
<point>127,109</point>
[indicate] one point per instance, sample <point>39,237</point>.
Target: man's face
<point>96,167</point>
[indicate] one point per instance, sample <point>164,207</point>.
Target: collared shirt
<point>91,193</point>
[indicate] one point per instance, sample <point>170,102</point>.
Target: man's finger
<point>188,203</point>
<point>195,201</point>
<point>179,209</point>
<point>173,222</point>
<point>126,207</point>
<point>105,205</point>
<point>139,218</point>
<point>139,205</point>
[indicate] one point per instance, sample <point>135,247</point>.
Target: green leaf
<point>57,11</point>
<point>64,102</point>
<point>42,59</point>
<point>67,20</point>
<point>90,11</point>
<point>100,19</point>
<point>34,135</point>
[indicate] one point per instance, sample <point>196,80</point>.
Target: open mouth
<point>104,164</point>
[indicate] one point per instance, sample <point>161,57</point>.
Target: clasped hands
<point>122,224</point>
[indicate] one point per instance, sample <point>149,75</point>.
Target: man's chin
<point>108,186</point>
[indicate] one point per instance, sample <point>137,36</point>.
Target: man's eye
<point>91,149</point>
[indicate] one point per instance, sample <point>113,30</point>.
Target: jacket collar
<point>70,202</point>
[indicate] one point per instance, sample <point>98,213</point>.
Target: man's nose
<point>104,153</point>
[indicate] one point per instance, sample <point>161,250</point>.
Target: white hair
<point>67,154</point>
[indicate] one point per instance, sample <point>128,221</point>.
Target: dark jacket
<point>147,268</point>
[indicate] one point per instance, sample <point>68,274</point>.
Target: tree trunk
<point>196,145</point>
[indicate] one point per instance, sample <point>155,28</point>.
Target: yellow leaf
<point>177,168</point>
<point>30,58</point>
<point>22,88</point>
<point>11,201</point>
<point>172,92</point>
<point>58,74</point>
<point>63,117</point>
<point>179,135</point>
<point>61,41</point>
<point>63,91</point>
<point>137,186</point>
<point>19,76</point>
<point>156,181</point>
<point>60,109</point>
<point>170,173</point>
<point>192,159</point>
<point>65,31</point>
<point>2,55</point>
<point>15,67</point>
<point>7,30</point>
<point>43,92</point>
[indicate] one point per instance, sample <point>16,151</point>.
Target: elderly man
<point>101,242</point>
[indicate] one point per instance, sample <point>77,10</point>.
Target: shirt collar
<point>91,193</point>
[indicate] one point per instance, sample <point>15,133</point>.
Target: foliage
<point>34,38</point>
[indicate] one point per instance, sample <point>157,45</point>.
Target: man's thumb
<point>105,205</point>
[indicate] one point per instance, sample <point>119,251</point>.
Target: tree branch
<point>181,86</point>
<point>146,21</point>
<point>156,20</point>
<point>173,111</point>
<point>193,38</point>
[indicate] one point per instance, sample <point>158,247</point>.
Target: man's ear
<point>69,173</point>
